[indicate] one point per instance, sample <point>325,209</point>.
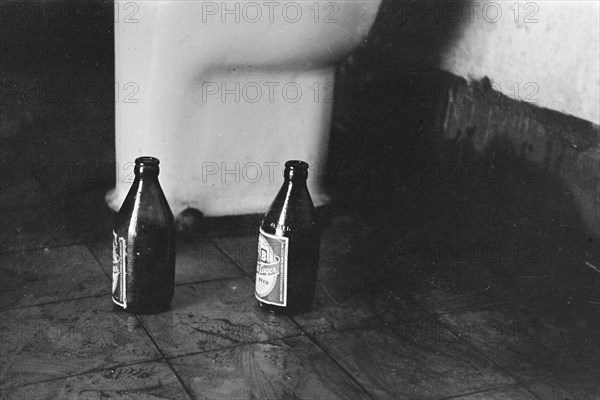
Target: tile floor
<point>383,326</point>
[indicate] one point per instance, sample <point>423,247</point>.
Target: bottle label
<point>119,283</point>
<point>271,269</point>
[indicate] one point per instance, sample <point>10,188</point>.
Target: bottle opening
<point>146,166</point>
<point>296,169</point>
<point>147,161</point>
<point>296,164</point>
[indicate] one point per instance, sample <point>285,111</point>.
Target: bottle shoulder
<point>291,224</point>
<point>275,227</point>
<point>144,217</point>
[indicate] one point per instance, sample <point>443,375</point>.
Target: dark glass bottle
<point>144,245</point>
<point>288,246</point>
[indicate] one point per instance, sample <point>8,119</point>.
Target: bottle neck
<point>297,181</point>
<point>144,172</point>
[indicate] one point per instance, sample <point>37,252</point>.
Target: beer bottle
<point>288,246</point>
<point>144,245</point>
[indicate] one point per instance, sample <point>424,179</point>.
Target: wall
<point>545,52</point>
<point>533,86</point>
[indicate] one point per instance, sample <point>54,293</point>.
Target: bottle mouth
<point>147,161</point>
<point>296,164</point>
<point>146,166</point>
<point>295,169</point>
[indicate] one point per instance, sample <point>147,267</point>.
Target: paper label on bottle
<point>119,282</point>
<point>271,269</point>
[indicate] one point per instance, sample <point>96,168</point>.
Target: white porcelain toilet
<point>224,92</point>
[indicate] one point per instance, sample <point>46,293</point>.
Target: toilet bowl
<point>224,92</point>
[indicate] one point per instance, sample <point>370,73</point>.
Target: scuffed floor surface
<point>403,310</point>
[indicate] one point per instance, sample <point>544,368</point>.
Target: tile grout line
<point>75,242</point>
<point>496,365</point>
<point>227,256</point>
<point>299,327</point>
<point>474,308</point>
<point>225,278</point>
<point>301,334</point>
<point>336,362</point>
<point>99,265</point>
<point>108,293</point>
<point>92,371</point>
<point>171,358</point>
<point>167,359</point>
<point>233,346</point>
<point>87,246</point>
<point>241,344</point>
<point>458,396</point>
<point>302,330</point>
<point>54,302</point>
<point>164,358</point>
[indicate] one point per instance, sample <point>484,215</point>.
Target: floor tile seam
<point>216,244</point>
<point>233,346</point>
<point>177,284</point>
<point>344,329</point>
<point>492,306</point>
<point>495,365</point>
<point>485,307</point>
<point>479,391</point>
<point>99,263</point>
<point>164,358</point>
<point>523,382</point>
<point>174,358</point>
<point>92,371</point>
<point>108,293</point>
<point>55,302</point>
<point>352,378</point>
<point>302,333</point>
<point>425,313</point>
<point>57,245</point>
<point>530,383</point>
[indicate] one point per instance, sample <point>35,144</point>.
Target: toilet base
<point>222,144</point>
<point>224,206</point>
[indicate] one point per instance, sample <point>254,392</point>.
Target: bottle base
<point>143,309</point>
<point>283,310</point>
